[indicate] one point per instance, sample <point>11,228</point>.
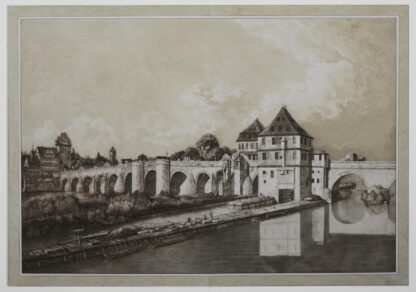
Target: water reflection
<point>295,234</point>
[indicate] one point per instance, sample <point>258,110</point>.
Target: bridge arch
<point>112,182</point>
<point>256,185</point>
<point>219,183</point>
<point>99,180</point>
<point>346,192</point>
<point>74,183</point>
<point>63,184</point>
<point>150,183</point>
<point>86,181</point>
<point>348,184</point>
<point>128,183</point>
<point>203,183</point>
<point>176,181</point>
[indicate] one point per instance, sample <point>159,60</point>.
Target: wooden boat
<point>172,239</point>
<point>119,253</point>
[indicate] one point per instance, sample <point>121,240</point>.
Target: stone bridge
<point>371,172</point>
<point>185,177</point>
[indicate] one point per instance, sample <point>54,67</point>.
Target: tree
<point>215,154</point>
<point>178,155</point>
<point>192,153</point>
<point>207,143</point>
<point>227,150</point>
<point>142,157</point>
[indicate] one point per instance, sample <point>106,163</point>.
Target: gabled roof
<point>284,124</point>
<point>43,150</point>
<point>251,132</point>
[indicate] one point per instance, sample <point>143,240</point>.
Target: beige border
<point>14,276</point>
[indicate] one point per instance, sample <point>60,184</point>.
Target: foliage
<point>178,155</point>
<point>142,157</point>
<point>192,153</point>
<point>206,144</point>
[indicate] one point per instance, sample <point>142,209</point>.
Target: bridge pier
<point>79,187</point>
<point>119,185</point>
<point>188,187</point>
<point>104,186</point>
<point>93,187</point>
<point>67,187</point>
<point>162,175</point>
<point>137,177</point>
<point>247,186</point>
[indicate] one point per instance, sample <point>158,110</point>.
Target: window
<point>247,146</point>
<point>276,155</point>
<point>313,180</point>
<point>264,172</point>
<point>317,180</point>
<point>294,155</point>
<point>274,141</point>
<point>313,171</point>
<point>280,128</point>
<point>320,157</point>
<point>264,156</point>
<point>263,141</point>
<point>271,173</point>
<point>264,181</point>
<point>294,139</point>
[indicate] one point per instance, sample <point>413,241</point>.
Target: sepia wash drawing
<point>277,200</point>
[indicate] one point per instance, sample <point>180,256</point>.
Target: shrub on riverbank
<point>44,214</point>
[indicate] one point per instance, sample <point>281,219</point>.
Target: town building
<point>112,156</point>
<point>41,169</point>
<point>287,167</point>
<point>247,140</point>
<point>64,145</point>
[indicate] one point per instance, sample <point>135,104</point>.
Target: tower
<point>284,159</point>
<point>64,150</point>
<point>112,156</point>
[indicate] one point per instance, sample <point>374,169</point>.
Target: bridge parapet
<point>372,172</point>
<point>96,170</point>
<point>196,163</point>
<point>363,164</point>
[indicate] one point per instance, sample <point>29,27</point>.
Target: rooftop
<point>251,132</point>
<point>284,124</point>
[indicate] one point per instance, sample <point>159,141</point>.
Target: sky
<point>155,86</point>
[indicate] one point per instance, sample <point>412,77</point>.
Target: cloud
<point>88,135</point>
<point>47,132</point>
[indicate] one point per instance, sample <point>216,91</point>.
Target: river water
<point>346,236</point>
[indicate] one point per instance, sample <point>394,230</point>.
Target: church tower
<point>64,150</point>
<point>112,155</point>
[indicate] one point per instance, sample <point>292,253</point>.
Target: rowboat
<point>119,253</point>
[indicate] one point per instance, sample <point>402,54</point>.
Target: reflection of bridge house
<point>152,177</point>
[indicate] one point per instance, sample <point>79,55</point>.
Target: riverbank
<point>35,259</point>
<point>65,232</point>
